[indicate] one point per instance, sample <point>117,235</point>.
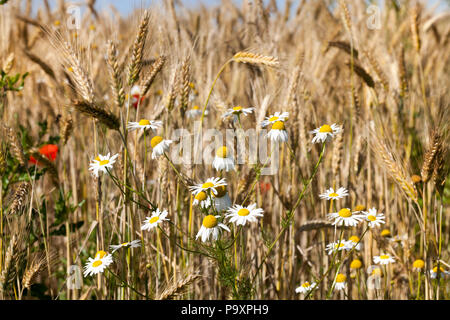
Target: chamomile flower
<point>156,218</point>
<point>221,200</point>
<point>101,163</point>
<point>375,219</point>
<point>240,215</point>
<point>211,227</point>
<point>144,124</point>
<point>354,242</point>
<point>237,111</point>
<point>305,287</point>
<point>223,160</point>
<point>277,116</point>
<point>325,133</point>
<point>345,217</point>
<point>201,199</point>
<point>159,146</point>
<point>131,244</point>
<point>337,246</point>
<point>442,272</point>
<point>330,194</point>
<point>209,186</point>
<point>383,259</point>
<point>97,265</point>
<point>278,132</point>
<point>195,112</point>
<point>418,265</point>
<point>340,282</point>
<point>356,264</point>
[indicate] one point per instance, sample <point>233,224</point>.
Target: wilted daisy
<point>345,217</point>
<point>101,163</point>
<point>341,282</point>
<point>375,219</point>
<point>221,199</point>
<point>223,160</point>
<point>353,242</point>
<point>237,111</point>
<point>383,259</point>
<point>278,132</point>
<point>211,226</point>
<point>325,133</point>
<point>144,124</point>
<point>277,116</point>
<point>330,194</point>
<point>131,244</point>
<point>434,272</point>
<point>418,265</point>
<point>209,186</point>
<point>195,112</point>
<point>97,265</point>
<point>305,287</point>
<point>159,146</point>
<point>337,246</point>
<point>240,215</point>
<point>156,218</point>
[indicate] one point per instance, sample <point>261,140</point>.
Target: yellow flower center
<point>339,245</point>
<point>144,122</point>
<point>356,264</point>
<point>57,23</point>
<point>243,212</point>
<point>333,194</point>
<point>273,118</point>
<point>201,196</point>
<point>210,221</point>
<point>384,257</point>
<point>359,208</point>
<point>97,263</point>
<point>196,107</point>
<point>207,185</point>
<point>92,27</point>
<point>385,233</point>
<point>238,108</point>
<point>155,141</point>
<point>153,220</point>
<point>104,162</point>
<point>345,213</point>
<point>435,269</point>
<point>341,278</point>
<point>419,264</point>
<point>306,285</point>
<point>222,152</point>
<point>372,218</point>
<point>325,129</point>
<point>100,254</point>
<point>124,244</point>
<point>354,239</point>
<point>377,272</point>
<point>279,125</point>
<point>221,191</point>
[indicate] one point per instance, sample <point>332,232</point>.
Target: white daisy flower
<point>337,246</point>
<point>331,194</point>
<point>277,116</point>
<point>383,259</point>
<point>201,199</point>
<point>325,133</point>
<point>101,163</point>
<point>375,219</point>
<point>278,132</point>
<point>240,215</point>
<point>132,244</point>
<point>209,186</point>
<point>144,124</point>
<point>156,218</point>
<point>195,112</point>
<point>354,242</point>
<point>442,272</point>
<point>341,282</point>
<point>97,265</point>
<point>223,160</point>
<point>159,146</point>
<point>211,227</point>
<point>305,287</point>
<point>418,265</point>
<point>237,111</point>
<point>345,217</point>
<point>221,200</point>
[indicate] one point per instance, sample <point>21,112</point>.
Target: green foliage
<point>8,83</point>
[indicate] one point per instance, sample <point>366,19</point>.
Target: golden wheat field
<point>241,150</point>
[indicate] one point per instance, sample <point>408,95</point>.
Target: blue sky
<point>127,6</point>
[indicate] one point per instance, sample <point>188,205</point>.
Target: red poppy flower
<point>136,99</point>
<point>264,187</point>
<point>49,151</point>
